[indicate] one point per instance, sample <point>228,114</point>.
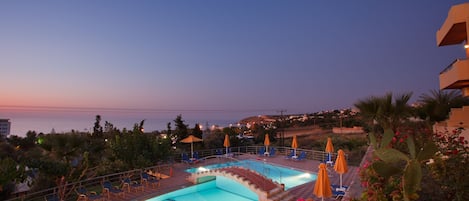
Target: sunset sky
<point>263,55</point>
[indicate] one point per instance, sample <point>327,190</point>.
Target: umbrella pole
<point>192,150</point>
<point>340,181</point>
<point>294,152</point>
<point>226,151</point>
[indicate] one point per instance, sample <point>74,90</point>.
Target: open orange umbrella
<point>266,142</point>
<point>191,139</point>
<point>341,166</point>
<point>226,143</point>
<point>294,145</point>
<point>329,150</point>
<point>322,187</point>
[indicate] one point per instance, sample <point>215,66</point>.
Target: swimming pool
<point>229,190</point>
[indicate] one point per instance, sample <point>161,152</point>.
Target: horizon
<point>235,58</point>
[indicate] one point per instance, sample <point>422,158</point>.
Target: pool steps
<point>265,188</point>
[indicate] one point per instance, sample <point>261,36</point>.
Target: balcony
<point>456,75</point>
<point>453,31</point>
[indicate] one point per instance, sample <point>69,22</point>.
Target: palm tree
<point>386,111</point>
<point>437,105</point>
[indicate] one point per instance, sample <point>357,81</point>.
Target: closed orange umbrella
<point>329,150</point>
<point>322,187</point>
<point>329,146</point>
<point>294,145</point>
<point>226,143</point>
<point>266,142</point>
<point>341,166</point>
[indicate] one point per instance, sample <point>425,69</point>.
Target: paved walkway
<point>178,177</point>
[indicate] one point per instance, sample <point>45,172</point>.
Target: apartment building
<point>455,31</point>
<point>5,125</point>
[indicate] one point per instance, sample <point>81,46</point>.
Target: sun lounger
<point>185,158</point>
<point>338,187</point>
<point>218,152</point>
<point>109,188</point>
<point>301,157</point>
<point>85,195</point>
<point>329,160</point>
<point>52,197</point>
<point>271,152</point>
<point>196,156</point>
<point>261,151</point>
<point>129,184</point>
<point>337,194</point>
<point>230,153</point>
<point>147,179</point>
<point>290,155</point>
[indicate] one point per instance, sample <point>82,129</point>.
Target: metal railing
<point>91,184</point>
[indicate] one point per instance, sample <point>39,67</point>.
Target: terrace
<point>174,176</point>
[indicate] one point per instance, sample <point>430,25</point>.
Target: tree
<point>234,141</point>
<point>215,139</point>
<point>137,150</point>
<point>12,169</point>
<point>437,104</point>
<point>180,131</point>
<point>12,173</point>
<point>139,127</point>
<point>196,131</point>
<point>168,128</point>
<point>108,127</point>
<point>98,129</point>
<point>386,111</point>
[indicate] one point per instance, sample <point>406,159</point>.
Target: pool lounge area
<point>178,180</point>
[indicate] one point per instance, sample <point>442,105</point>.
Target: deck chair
<point>337,194</point>
<point>196,155</point>
<point>261,151</point>
<point>86,195</point>
<point>218,152</point>
<point>271,152</point>
<point>129,184</point>
<point>329,160</point>
<point>147,179</point>
<point>336,187</point>
<point>301,157</point>
<point>230,153</point>
<point>290,155</point>
<point>109,189</point>
<point>52,197</point>
<point>185,158</point>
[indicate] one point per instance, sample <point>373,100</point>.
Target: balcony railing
<point>450,66</point>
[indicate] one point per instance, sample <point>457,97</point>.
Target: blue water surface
<point>228,190</point>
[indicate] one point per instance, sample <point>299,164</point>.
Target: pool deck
<point>178,177</point>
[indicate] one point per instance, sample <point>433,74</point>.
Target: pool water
<point>220,189</point>
<point>289,177</point>
<point>228,190</point>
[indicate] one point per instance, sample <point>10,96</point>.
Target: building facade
<point>455,31</point>
<point>5,126</point>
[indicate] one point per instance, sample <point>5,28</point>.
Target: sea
<point>62,121</point>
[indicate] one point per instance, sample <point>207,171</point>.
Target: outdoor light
<point>466,46</point>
